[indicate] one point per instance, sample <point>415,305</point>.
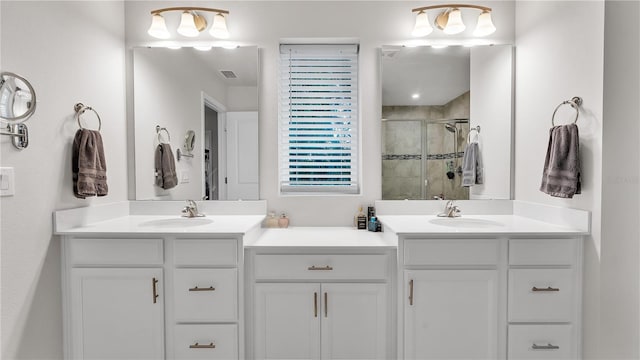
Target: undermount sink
<point>461,222</point>
<point>176,222</point>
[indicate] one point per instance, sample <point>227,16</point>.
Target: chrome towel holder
<point>80,108</point>
<point>575,103</point>
<point>159,129</point>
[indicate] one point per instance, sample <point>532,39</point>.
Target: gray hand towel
<point>561,174</point>
<point>472,171</point>
<point>166,177</point>
<point>88,164</point>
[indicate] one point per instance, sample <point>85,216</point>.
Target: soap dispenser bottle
<point>283,222</point>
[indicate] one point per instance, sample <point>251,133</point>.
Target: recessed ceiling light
<point>415,96</point>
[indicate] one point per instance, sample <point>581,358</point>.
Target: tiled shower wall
<point>416,149</point>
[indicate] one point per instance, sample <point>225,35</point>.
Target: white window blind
<point>318,114</point>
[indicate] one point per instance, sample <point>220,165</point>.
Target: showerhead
<point>451,128</point>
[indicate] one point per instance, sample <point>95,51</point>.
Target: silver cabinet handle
<point>320,268</point>
<point>548,289</point>
<point>154,285</point>
<point>210,288</point>
<point>206,346</point>
<point>544,347</point>
<point>315,304</point>
<point>411,292</point>
<point>326,307</point>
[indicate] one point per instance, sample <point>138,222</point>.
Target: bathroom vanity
<point>221,287</point>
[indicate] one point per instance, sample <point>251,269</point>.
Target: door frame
<point>217,106</point>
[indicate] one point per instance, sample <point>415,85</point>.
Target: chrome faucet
<point>450,210</point>
<point>191,210</point>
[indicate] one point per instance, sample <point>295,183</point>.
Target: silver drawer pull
<point>535,289</point>
<point>210,288</point>
<point>320,268</point>
<point>544,347</point>
<point>198,346</point>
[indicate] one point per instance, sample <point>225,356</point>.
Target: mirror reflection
<point>208,102</point>
<point>17,98</point>
<point>434,104</point>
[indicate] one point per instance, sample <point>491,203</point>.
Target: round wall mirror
<point>189,141</point>
<point>17,98</point>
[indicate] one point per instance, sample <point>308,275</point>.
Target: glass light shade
<point>219,27</point>
<point>188,25</point>
<point>158,28</point>
<point>485,25</point>
<point>422,28</point>
<point>455,24</point>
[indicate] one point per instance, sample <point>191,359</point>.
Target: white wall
<point>492,109</point>
<point>373,23</point>
<point>71,52</point>
<point>559,54</point>
<point>620,267</point>
<point>168,93</point>
<point>242,98</point>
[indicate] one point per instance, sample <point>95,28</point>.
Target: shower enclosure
<point>422,159</point>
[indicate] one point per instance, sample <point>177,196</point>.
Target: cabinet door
<point>115,315</point>
<point>287,321</point>
<point>451,314</point>
<point>354,321</point>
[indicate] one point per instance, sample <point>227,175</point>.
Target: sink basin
<point>461,222</point>
<point>176,222</point>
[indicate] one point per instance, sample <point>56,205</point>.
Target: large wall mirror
<point>204,104</point>
<point>434,102</point>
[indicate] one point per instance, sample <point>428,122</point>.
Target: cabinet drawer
<point>206,341</point>
<point>542,251</point>
<point>328,267</point>
<point>541,295</point>
<point>451,252</point>
<point>115,251</point>
<point>202,295</point>
<point>205,252</point>
<point>541,342</point>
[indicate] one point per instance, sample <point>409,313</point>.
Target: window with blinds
<point>318,115</point>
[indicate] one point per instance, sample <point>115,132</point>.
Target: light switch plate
<point>7,181</point>
<point>184,177</point>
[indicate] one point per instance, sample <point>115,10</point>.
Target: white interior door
<point>287,321</point>
<point>242,155</point>
<point>114,315</point>
<point>452,314</point>
<point>354,321</point>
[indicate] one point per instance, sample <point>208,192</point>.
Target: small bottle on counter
<point>361,220</point>
<point>283,222</point>
<point>372,224</point>
<point>272,220</point>
<point>371,212</point>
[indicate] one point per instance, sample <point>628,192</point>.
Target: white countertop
<point>472,225</point>
<point>322,237</point>
<point>154,224</point>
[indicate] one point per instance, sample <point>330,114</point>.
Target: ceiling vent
<point>228,74</point>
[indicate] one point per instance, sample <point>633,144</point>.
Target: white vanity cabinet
<point>452,298</point>
<point>544,298</point>
<point>314,304</point>
<point>489,298</point>
<point>153,297</point>
<point>115,298</point>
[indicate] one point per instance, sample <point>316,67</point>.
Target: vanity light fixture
<point>450,20</point>
<point>191,22</point>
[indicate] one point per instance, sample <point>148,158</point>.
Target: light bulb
<point>219,27</point>
<point>485,25</point>
<point>422,27</point>
<point>454,24</point>
<point>158,28</point>
<point>188,25</point>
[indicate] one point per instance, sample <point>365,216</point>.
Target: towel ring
<point>80,108</point>
<point>477,130</point>
<point>575,103</point>
<point>158,130</point>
